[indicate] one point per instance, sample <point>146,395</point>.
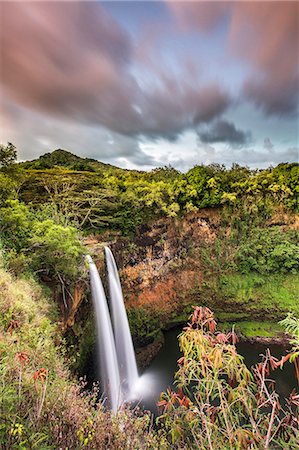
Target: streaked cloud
<point>265,35</point>
<point>81,75</point>
<point>73,61</point>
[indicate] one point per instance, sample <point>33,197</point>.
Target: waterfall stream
<point>110,378</point>
<point>123,339</point>
<point>119,375</point>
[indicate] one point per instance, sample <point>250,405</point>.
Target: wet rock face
<point>146,354</point>
<point>158,269</point>
<point>161,265</point>
<point>164,254</point>
<point>167,239</point>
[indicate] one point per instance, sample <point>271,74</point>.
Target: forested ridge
<point>95,196</point>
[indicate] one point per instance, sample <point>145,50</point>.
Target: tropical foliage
<point>220,403</point>
<point>103,197</point>
<point>41,407</point>
<point>269,251</point>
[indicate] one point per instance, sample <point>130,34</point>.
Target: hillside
<point>102,197</point>
<point>42,405</point>
<point>66,159</point>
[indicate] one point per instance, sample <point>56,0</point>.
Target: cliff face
<point>172,264</point>
<point>159,268</point>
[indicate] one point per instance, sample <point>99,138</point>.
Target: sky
<point>147,84</point>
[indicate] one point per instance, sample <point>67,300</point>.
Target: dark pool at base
<point>160,374</point>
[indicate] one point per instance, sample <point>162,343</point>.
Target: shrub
<point>269,250</point>
<point>143,325</point>
<point>56,250</point>
<point>220,404</point>
<point>15,225</point>
<point>41,407</point>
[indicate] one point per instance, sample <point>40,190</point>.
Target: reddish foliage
<point>294,398</point>
<point>296,364</point>
<point>173,398</point>
<point>23,358</point>
<point>232,337</point>
<point>222,338</point>
<point>40,374</point>
<point>13,325</point>
<point>203,316</point>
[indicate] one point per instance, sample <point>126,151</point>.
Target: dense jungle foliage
<point>94,197</point>
<point>47,208</point>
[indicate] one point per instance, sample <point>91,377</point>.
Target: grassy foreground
<point>41,406</point>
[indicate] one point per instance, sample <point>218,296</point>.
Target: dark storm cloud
<point>223,131</point>
<point>73,61</point>
<point>274,97</point>
<point>263,34</point>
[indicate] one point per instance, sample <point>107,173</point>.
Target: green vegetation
<point>220,403</point>
<point>253,329</point>
<point>269,251</point>
<point>63,158</point>
<point>249,272</point>
<point>31,243</point>
<point>250,276</point>
<point>8,155</point>
<point>46,204</point>
<point>102,197</point>
<point>144,327</point>
<point>41,407</point>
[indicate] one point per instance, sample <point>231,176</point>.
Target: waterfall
<point>119,373</point>
<point>109,365</point>
<point>123,339</point>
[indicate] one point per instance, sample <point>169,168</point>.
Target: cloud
<point>264,35</point>
<point>272,47</point>
<point>251,157</point>
<point>36,134</point>
<point>268,145</point>
<point>224,131</point>
<point>73,77</point>
<point>258,158</point>
<point>198,14</point>
<point>291,154</point>
<point>188,151</point>
<point>72,61</point>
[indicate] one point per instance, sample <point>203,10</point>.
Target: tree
<point>56,251</point>
<point>15,225</point>
<point>8,155</point>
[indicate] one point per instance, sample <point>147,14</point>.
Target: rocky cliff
<point>172,264</point>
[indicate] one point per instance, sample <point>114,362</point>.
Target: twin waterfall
<point>117,358</point>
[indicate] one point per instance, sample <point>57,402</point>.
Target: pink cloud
<point>265,35</point>
<point>72,60</point>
